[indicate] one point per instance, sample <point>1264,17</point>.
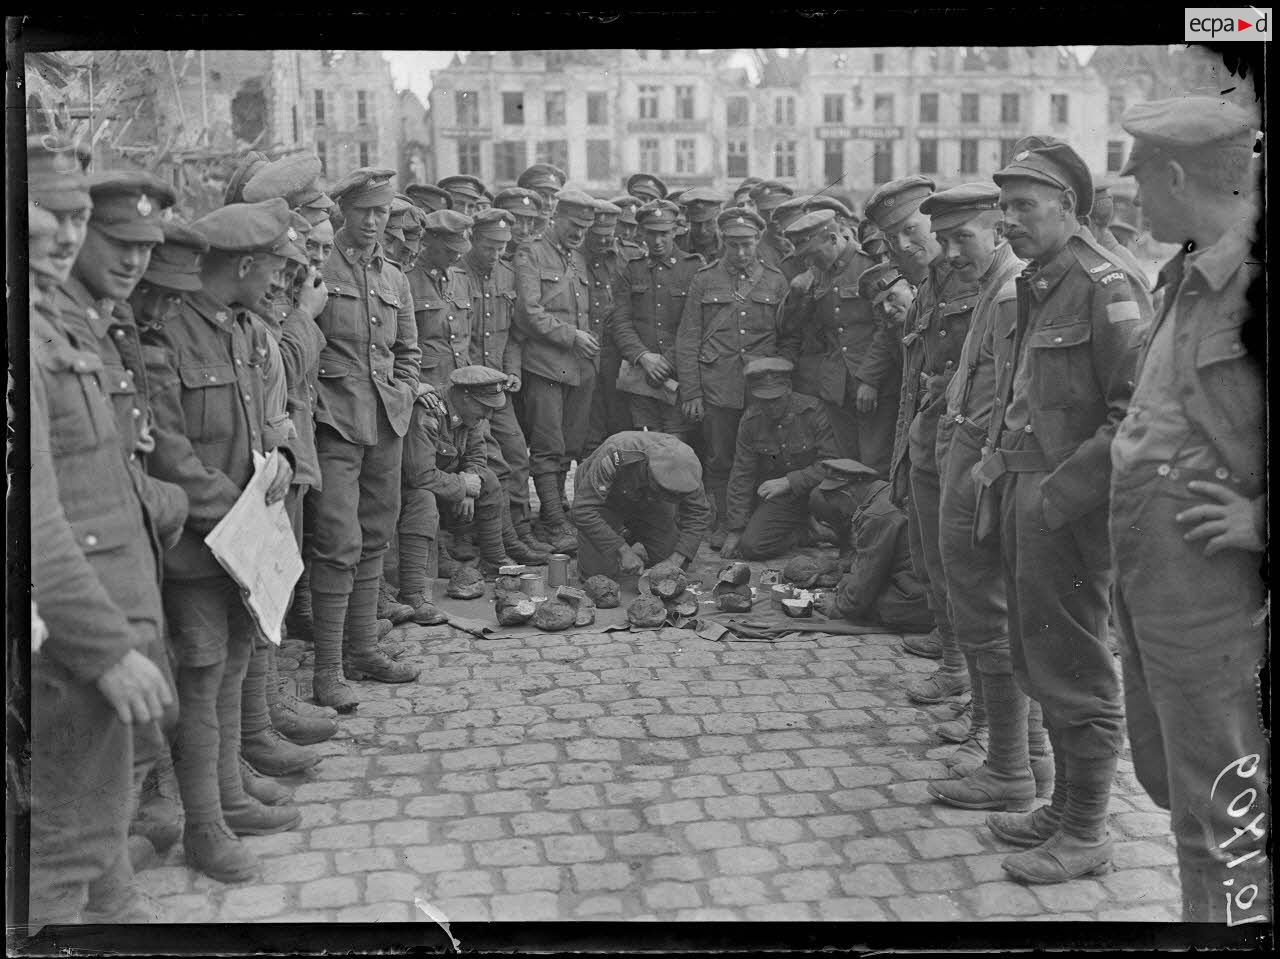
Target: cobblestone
<point>652,776</point>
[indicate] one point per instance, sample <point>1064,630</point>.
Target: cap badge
<point>524,200</point>
<point>291,234</point>
<point>742,219</point>
<point>144,206</point>
<point>890,201</point>
<point>1019,157</point>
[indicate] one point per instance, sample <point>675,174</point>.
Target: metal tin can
<point>558,570</point>
<point>531,584</point>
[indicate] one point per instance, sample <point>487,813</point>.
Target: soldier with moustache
<point>496,344</point>
<point>731,316</point>
<point>651,302</point>
<point>935,332</point>
<point>1064,381</point>
<point>561,355</point>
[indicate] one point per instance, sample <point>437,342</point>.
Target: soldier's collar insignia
<point>890,201</point>
<point>291,234</point>
<point>221,316</point>
<point>144,206</point>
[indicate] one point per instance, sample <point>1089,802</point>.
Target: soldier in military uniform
<point>881,586</point>
<point>610,412</point>
<point>935,331</point>
<point>429,198</point>
<point>525,207</point>
<point>628,229</point>
<point>784,215</point>
<point>1067,385</point>
<point>731,316</point>
<point>651,301</point>
<point>1017,766</point>
<point>649,484</point>
<point>702,205</point>
<point>97,688</point>
<point>449,460</point>
<point>208,394</point>
<point>402,239</point>
<point>561,354</point>
<point>846,221</point>
<point>742,195</point>
<point>872,240</point>
<point>368,382</point>
<point>781,439</point>
<point>826,309</point>
<point>1099,220</point>
<point>496,343</point>
<point>465,191</point>
<point>767,196</point>
<point>1188,486</point>
<point>546,181</point>
<point>646,187</point>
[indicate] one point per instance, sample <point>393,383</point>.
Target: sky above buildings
<point>411,69</point>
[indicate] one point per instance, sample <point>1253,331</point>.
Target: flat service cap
<point>877,280</point>
<point>579,207</point>
<point>519,201</point>
<point>959,204</point>
<point>810,226</point>
<point>701,204</point>
<point>768,377</point>
<point>893,202</point>
<point>175,263</point>
<point>673,466</point>
<point>768,194</point>
<point>606,218</point>
<point>646,186</point>
<point>429,197</point>
<point>463,184</point>
<point>365,187</point>
<point>493,224</point>
<point>293,177</point>
<point>542,176</point>
<point>739,221</point>
<point>1185,123</point>
<point>1049,160</point>
<point>452,227</point>
<point>127,205</point>
<point>247,227</point>
<point>481,383</point>
<point>842,472</point>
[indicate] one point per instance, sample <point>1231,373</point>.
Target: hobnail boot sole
<point>991,804</point>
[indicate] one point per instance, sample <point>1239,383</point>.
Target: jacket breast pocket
<point>503,309</point>
<point>384,306</point>
<point>1060,358</point>
<point>557,290</point>
<point>764,307</point>
<point>209,400</point>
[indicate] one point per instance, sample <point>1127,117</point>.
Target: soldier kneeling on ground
<point>649,482</point>
<point>881,585</point>
<point>781,439</point>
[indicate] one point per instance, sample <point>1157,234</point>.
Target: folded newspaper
<point>255,544</point>
<point>632,379</point>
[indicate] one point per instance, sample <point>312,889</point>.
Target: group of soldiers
<point>946,388</point>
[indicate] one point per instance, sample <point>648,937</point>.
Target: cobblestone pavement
<point>651,775</point>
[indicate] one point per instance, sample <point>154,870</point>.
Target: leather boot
<point>282,690</point>
<point>937,686</point>
<point>928,646</point>
<point>248,817</point>
<point>562,537</point>
<point>956,730</point>
<point>971,754</point>
<point>159,809</point>
<point>272,754</point>
<point>1004,781</point>
<point>518,550</point>
<point>299,621</point>
<point>425,612</point>
<point>1082,846</point>
<point>389,607</point>
<point>300,729</point>
<point>263,788</point>
<point>1036,827</point>
<point>461,544</point>
<point>446,565</point>
<point>524,530</point>
<point>213,849</point>
<point>362,659</point>
<point>327,681</point>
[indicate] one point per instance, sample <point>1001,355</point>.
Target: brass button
<point>91,540</point>
<point>1221,473</point>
